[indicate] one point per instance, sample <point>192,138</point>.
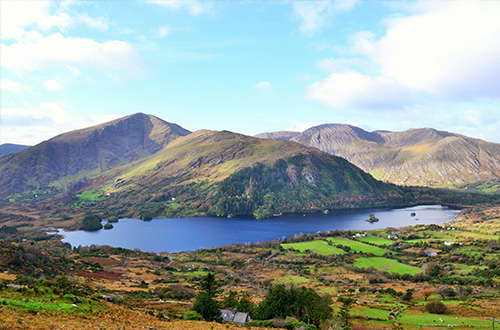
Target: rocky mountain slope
<point>424,157</point>
<point>69,158</point>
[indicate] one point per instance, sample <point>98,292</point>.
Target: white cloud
<point>352,89</point>
<point>194,7</point>
<point>444,50</point>
<point>264,87</point>
<point>15,16</point>
<point>53,85</point>
<point>15,87</point>
<point>99,23</point>
<point>33,125</point>
<point>56,49</point>
<point>316,14</point>
<point>449,48</point>
<point>163,31</point>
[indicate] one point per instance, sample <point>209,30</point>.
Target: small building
<point>227,315</point>
<point>431,253</point>
<point>242,318</point>
<point>234,316</point>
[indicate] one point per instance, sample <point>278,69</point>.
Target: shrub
<point>436,307</point>
<point>192,316</point>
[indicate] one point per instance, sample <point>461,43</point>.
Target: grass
<point>489,188</point>
<point>371,313</point>
<point>292,279</point>
<point>387,265</point>
<point>359,246</point>
<point>90,195</point>
<point>418,240</point>
<point>415,319</point>
<point>376,240</point>
<point>47,302</point>
<point>320,247</point>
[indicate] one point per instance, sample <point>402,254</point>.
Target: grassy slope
<point>385,264</point>
<point>376,240</point>
<point>318,246</point>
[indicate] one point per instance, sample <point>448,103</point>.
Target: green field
<point>454,235</point>
<point>320,247</point>
<point>489,188</point>
<point>415,319</point>
<point>385,264</point>
<point>359,246</point>
<point>376,240</point>
<point>418,240</point>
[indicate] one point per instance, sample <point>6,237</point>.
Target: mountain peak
<point>87,152</point>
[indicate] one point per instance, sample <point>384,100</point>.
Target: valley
<point>386,272</point>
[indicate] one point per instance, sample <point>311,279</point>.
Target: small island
<point>372,218</point>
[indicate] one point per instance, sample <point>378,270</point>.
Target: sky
<point>250,66</point>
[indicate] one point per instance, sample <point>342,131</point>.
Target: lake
<point>189,234</point>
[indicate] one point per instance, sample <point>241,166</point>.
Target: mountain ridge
<point>423,157</point>
<point>83,153</point>
<point>9,148</point>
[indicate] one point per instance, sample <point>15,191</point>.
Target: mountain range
<point>143,166</point>
<point>416,157</point>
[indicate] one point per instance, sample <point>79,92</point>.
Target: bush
<point>436,307</point>
<point>192,316</point>
<point>108,226</point>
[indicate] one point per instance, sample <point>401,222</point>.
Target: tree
<point>205,305</point>
<point>408,296</point>
<point>303,303</point>
<point>230,300</point>
<point>210,285</point>
<point>436,307</point>
<point>446,292</point>
<point>345,312</point>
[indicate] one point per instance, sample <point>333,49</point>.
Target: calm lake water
<point>188,234</point>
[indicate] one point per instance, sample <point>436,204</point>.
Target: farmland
<point>386,265</point>
<point>390,281</point>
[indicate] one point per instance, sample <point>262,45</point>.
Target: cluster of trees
<point>303,304</point>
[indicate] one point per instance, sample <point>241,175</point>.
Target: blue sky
<point>250,66</point>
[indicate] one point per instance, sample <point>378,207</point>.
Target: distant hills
<point>142,166</point>
<point>9,148</point>
<point>422,157</point>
